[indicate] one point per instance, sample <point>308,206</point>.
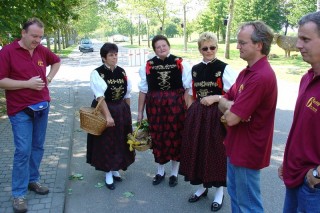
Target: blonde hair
<point>207,36</point>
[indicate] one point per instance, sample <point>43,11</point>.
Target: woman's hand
<point>209,100</point>
<point>140,117</point>
<point>110,121</point>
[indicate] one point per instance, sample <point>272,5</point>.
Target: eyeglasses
<point>242,43</point>
<point>207,48</point>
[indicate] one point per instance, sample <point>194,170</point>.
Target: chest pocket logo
<point>241,88</point>
<point>40,63</point>
<point>313,104</point>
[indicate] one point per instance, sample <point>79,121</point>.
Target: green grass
<point>3,108</point>
<point>288,69</point>
<point>65,52</point>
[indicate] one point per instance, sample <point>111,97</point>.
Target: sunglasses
<point>206,48</point>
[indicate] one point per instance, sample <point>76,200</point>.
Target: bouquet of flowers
<point>140,139</point>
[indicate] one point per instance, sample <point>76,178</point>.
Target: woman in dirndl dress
<point>109,152</point>
<point>203,156</point>
<point>165,80</point>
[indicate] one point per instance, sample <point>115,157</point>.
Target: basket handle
<point>95,111</point>
<point>136,130</point>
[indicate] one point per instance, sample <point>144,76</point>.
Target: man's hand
<point>280,172</point>
<point>36,83</point>
<point>209,100</point>
<point>311,179</point>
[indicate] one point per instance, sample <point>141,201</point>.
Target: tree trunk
<point>139,24</point>
<point>318,5</point>
<point>227,49</point>
<point>185,38</point>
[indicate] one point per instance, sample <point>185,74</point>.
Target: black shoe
<point>119,179</point>
<point>110,186</point>
<point>216,206</point>
<point>158,179</point>
<point>173,181</point>
<point>194,198</point>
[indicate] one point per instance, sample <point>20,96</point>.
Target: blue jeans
<point>244,189</point>
<point>29,136</point>
<point>302,199</point>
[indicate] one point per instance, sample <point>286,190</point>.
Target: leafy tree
<point>212,18</point>
<point>123,26</point>
<point>171,30</point>
<point>269,11</point>
<point>297,9</point>
<point>52,12</point>
<point>88,18</point>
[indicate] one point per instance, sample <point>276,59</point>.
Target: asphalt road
<point>136,193</point>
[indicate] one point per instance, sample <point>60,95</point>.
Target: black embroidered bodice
<point>165,74</point>
<point>116,81</point>
<point>207,78</point>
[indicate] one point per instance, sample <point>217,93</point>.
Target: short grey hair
<point>261,33</point>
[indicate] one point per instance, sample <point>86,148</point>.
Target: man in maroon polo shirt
<point>23,76</point>
<point>300,170</point>
<point>249,109</point>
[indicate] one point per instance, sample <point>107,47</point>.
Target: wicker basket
<point>92,120</point>
<point>142,138</point>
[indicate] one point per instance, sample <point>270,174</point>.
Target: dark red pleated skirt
<point>110,151</point>
<point>166,115</point>
<point>203,156</point>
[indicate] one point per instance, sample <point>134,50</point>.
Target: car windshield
<point>86,42</point>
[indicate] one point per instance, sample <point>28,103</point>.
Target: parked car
<point>44,41</point>
<point>86,45</point>
<point>120,38</point>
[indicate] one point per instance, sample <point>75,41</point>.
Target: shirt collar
<point>108,67</point>
<point>256,66</point>
<point>207,62</point>
<point>167,56</point>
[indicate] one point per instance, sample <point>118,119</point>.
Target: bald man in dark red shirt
<point>249,110</point>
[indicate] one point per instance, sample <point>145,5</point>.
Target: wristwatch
<point>49,79</point>
<point>315,173</point>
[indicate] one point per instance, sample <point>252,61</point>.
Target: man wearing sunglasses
<point>249,110</point>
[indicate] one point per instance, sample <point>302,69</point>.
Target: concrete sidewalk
<point>54,167</point>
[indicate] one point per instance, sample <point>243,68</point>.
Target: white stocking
<point>116,173</point>
<point>175,167</point>
<point>200,191</point>
<point>160,169</point>
<point>109,178</point>
<point>219,195</point>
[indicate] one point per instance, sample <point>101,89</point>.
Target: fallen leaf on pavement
<point>128,194</point>
<point>99,185</point>
<point>76,176</point>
